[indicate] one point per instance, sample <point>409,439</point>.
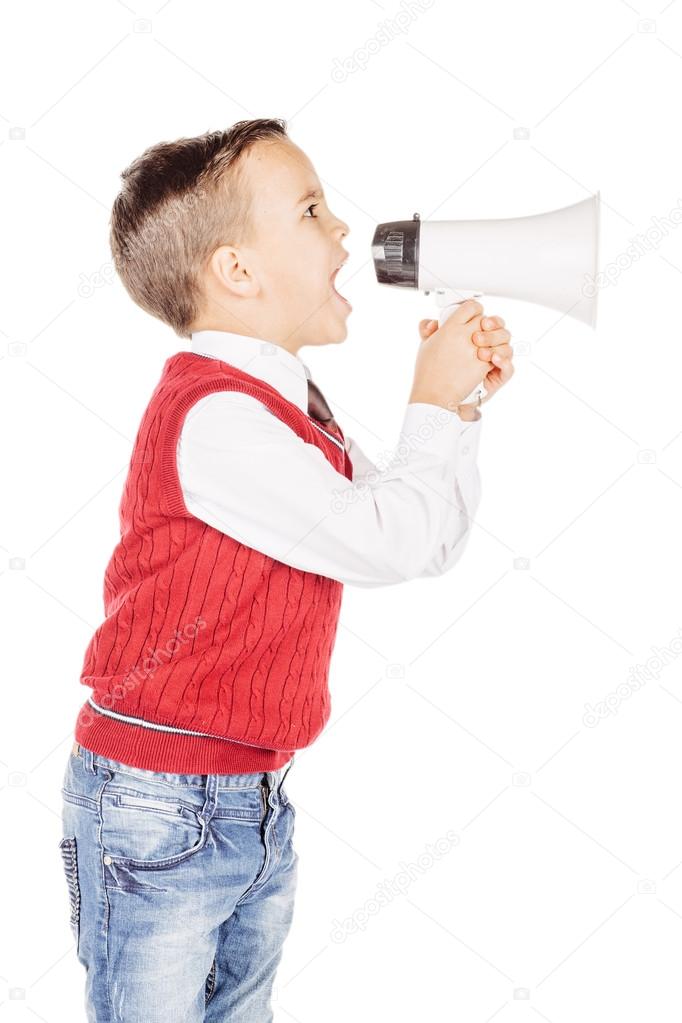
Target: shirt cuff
<point>434,427</point>
<point>470,439</point>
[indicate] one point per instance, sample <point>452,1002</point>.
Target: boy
<point>244,512</point>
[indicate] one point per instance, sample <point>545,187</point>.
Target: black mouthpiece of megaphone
<point>395,250</point>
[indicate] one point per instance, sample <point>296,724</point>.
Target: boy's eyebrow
<point>313,193</point>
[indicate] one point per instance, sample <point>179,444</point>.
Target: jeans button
<point>108,860</point>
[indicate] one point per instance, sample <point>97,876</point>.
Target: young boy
<point>244,512</point>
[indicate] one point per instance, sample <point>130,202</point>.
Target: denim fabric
<point>181,890</point>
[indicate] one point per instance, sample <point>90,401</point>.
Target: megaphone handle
<point>447,301</point>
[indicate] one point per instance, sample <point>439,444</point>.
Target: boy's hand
<point>447,367</point>
<point>492,341</point>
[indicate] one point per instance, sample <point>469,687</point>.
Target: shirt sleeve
<point>246,473</point>
<point>463,499</point>
<point>464,502</point>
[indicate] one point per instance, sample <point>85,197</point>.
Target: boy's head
<point>220,232</point>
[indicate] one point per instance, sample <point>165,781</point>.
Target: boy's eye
<point>312,207</point>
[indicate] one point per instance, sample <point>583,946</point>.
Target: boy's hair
<point>178,203</point>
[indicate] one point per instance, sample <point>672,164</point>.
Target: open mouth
<point>335,292</point>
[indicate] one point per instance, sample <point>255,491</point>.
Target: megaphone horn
<point>545,258</point>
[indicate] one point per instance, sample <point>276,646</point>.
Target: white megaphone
<point>548,258</point>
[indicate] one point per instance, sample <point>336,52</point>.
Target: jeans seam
<point>105,894</point>
<point>69,851</point>
<point>211,981</point>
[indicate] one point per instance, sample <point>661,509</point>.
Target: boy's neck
<point>232,329</point>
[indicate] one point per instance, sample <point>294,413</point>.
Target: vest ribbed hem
<point>150,750</point>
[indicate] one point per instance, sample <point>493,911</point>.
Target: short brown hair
<point>179,201</point>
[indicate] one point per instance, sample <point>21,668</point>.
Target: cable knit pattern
<point>213,657</point>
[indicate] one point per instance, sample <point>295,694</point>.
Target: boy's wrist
<point>468,413</point>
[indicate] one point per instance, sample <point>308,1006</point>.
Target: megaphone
<point>547,258</point>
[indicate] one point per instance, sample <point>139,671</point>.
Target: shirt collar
<point>283,370</point>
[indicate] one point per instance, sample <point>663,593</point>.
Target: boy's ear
<point>229,268</point>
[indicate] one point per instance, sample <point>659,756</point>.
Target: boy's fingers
<point>499,336</point>
<point>426,327</point>
<point>505,369</point>
<point>466,311</point>
<point>490,322</point>
<point>503,351</point>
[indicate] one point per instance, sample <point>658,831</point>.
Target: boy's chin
<point>338,336</point>
<point>341,331</point>
<point>340,323</point>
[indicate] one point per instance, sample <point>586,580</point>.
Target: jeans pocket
<point>67,848</point>
<point>146,830</point>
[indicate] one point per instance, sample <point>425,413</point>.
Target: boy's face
<point>292,252</point>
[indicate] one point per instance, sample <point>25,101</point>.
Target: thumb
<point>426,328</point>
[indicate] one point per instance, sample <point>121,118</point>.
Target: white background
<point>459,702</point>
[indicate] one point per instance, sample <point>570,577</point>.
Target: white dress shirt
<point>246,473</point>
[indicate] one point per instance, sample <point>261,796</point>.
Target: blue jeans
<point>181,890</point>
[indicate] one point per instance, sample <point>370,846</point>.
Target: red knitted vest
<point>213,657</point>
